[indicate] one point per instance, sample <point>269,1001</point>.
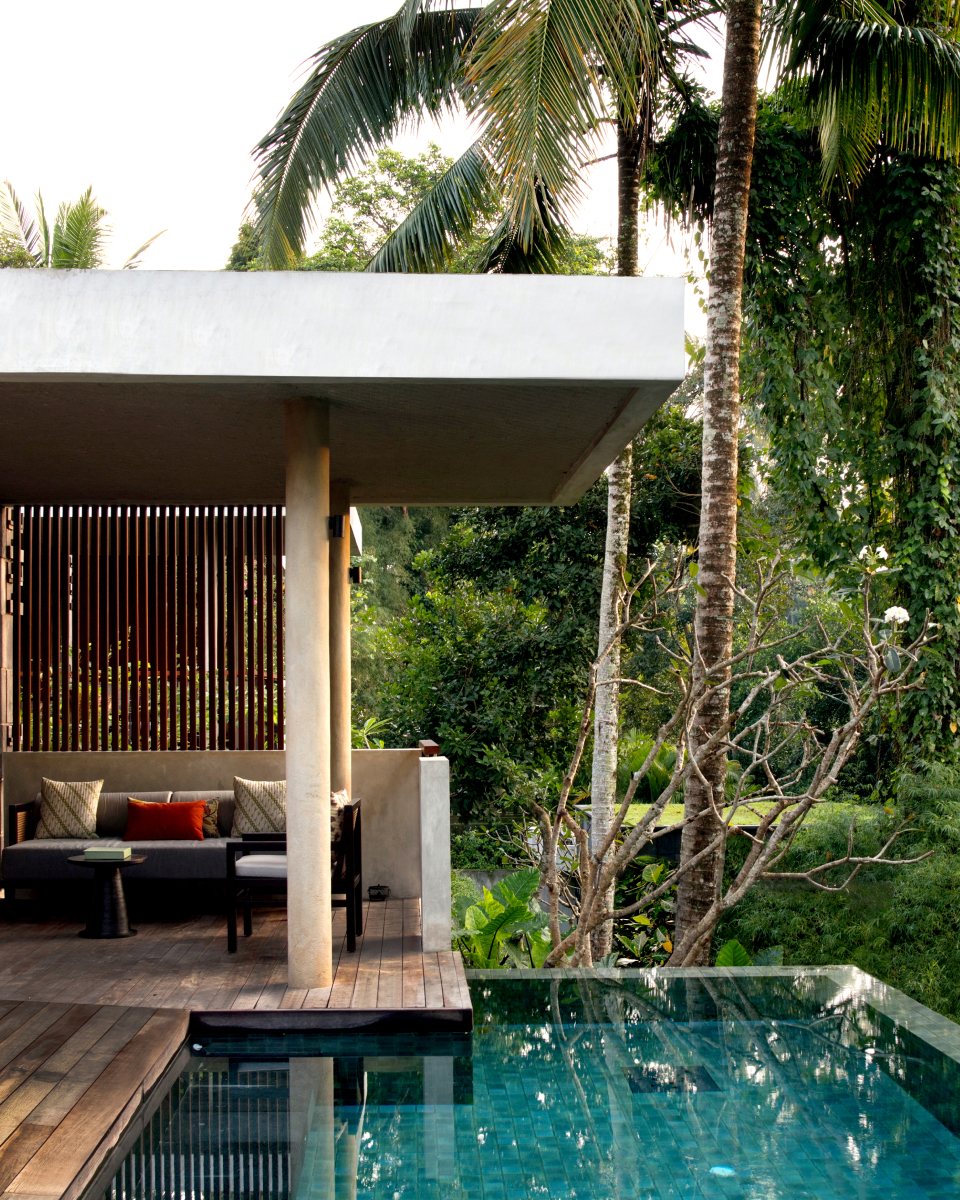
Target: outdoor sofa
<point>29,862</point>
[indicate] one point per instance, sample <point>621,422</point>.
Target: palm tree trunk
<point>721,415</point>
<point>603,784</point>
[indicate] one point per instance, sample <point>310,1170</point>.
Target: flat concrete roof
<point>168,387</point>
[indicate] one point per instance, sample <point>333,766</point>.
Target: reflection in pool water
<point>589,1088</point>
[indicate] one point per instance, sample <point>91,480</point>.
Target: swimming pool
<point>759,1083</point>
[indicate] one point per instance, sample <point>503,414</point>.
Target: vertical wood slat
<point>260,671</point>
<point>221,533</point>
<point>267,569</point>
<point>250,664</point>
<point>133,614</point>
<point>142,628</point>
<point>201,523</point>
<point>278,565</point>
<point>17,664</point>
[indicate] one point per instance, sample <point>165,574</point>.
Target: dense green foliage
<point>483,640</point>
<point>850,369</point>
<point>901,924</point>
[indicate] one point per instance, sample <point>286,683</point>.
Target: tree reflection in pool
<point>630,1088</point>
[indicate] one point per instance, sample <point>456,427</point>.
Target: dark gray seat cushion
<point>47,859</point>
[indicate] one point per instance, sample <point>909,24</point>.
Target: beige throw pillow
<point>261,806</point>
<point>68,810</point>
<point>337,801</point>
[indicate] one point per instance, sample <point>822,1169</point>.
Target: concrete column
<point>307,658</point>
<point>340,776</point>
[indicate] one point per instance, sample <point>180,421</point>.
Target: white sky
<point>158,107</point>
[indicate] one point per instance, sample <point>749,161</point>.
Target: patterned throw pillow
<point>211,810</point>
<point>68,810</point>
<point>337,801</point>
<point>261,806</point>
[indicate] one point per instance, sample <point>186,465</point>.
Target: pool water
<point>634,1089</point>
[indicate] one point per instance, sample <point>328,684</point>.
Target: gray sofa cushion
<point>47,859</point>
<point>224,812</point>
<point>111,811</point>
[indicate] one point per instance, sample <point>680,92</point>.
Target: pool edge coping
<point>932,1027</point>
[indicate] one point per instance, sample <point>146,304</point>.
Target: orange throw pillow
<point>164,822</point>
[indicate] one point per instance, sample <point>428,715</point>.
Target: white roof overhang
<point>168,387</point>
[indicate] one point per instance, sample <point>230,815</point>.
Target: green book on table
<point>107,853</point>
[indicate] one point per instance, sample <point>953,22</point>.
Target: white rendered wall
<point>339,326</point>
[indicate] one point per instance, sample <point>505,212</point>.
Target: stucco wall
<point>388,782</point>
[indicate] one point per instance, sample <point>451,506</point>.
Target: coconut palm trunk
<point>718,515</point>
<point>606,720</point>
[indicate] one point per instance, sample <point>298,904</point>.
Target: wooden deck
<point>87,1028</point>
<point>185,965</point>
<point>71,1078</point>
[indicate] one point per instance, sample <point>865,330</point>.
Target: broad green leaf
<point>732,954</point>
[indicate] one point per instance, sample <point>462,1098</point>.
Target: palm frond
<point>15,222</point>
<point>80,234</point>
<point>46,233</point>
<point>540,74</point>
<point>360,90</point>
<point>508,252</point>
<point>866,77</point>
<point>134,260</point>
<point>428,237</point>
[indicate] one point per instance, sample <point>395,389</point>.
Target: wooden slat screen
<point>148,628</point>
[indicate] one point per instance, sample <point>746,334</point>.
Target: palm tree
<point>540,77</point>
<point>352,102</point>
<point>865,74</point>
<point>76,240</point>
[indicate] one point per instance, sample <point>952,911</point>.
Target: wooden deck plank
<point>68,1090</point>
<point>98,1119</point>
<point>271,949</point>
<point>241,964</point>
<point>47,1042</point>
<point>293,998</point>
<point>17,1151</point>
<point>390,979</point>
<point>448,980</point>
<point>465,1000</point>
<point>368,952</point>
<point>413,994</point>
<point>23,1102</point>
<point>345,980</point>
<point>432,985</point>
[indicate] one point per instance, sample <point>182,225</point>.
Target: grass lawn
<point>674,813</point>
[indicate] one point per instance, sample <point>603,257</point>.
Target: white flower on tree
<point>896,616</point>
<point>881,552</point>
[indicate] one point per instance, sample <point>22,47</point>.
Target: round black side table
<point>108,913</point>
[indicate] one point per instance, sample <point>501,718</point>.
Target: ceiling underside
<point>222,441</point>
